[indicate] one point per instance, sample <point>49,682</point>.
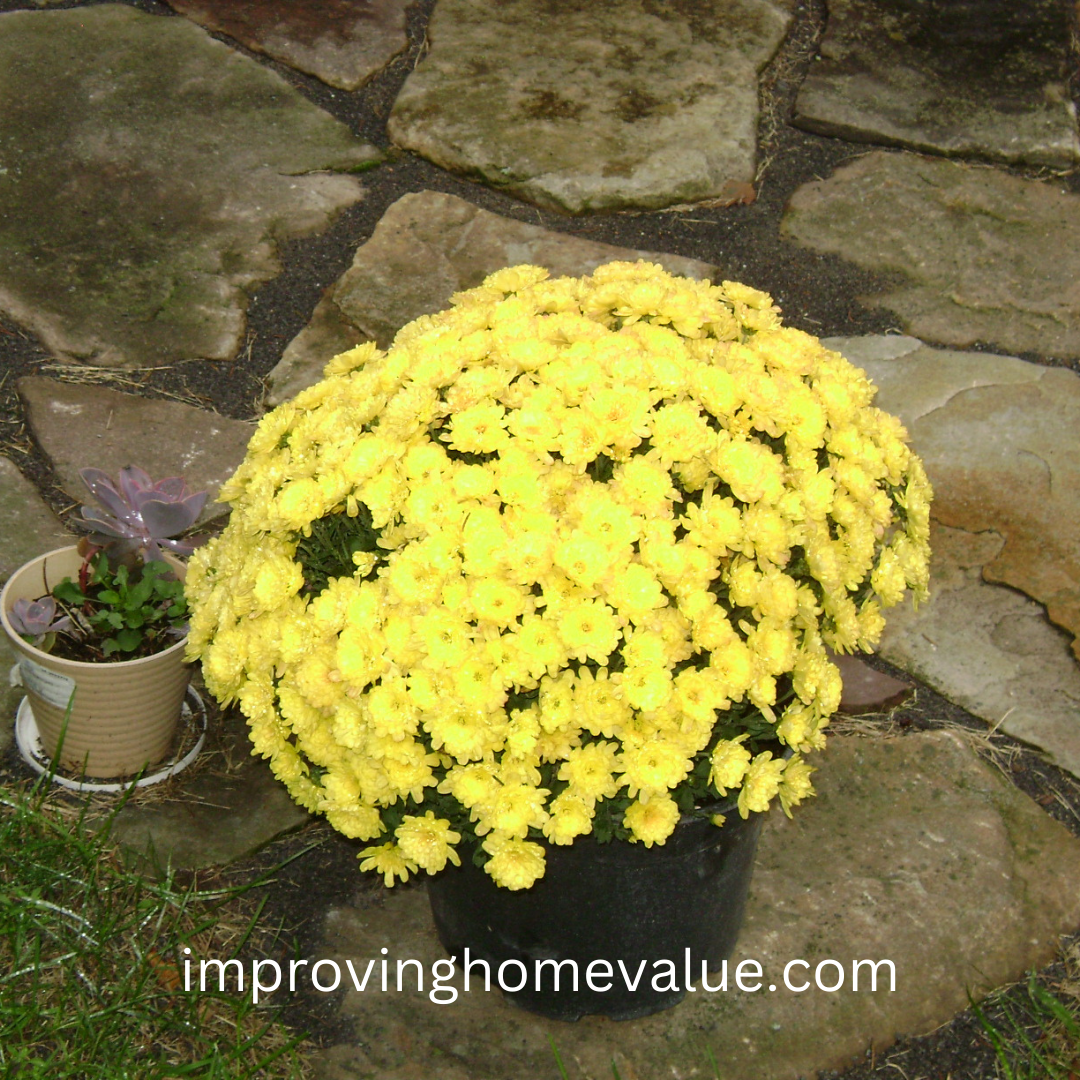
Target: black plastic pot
<point>605,902</point>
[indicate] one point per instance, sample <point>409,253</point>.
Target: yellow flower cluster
<point>609,510</point>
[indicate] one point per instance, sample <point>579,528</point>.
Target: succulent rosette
<point>564,560</point>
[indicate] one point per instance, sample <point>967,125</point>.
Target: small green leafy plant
<point>127,602</point>
<point>123,610</point>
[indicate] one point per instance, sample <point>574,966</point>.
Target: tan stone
<point>982,424</point>
<point>426,247</point>
<point>1000,439</point>
<point>965,884</point>
<point>79,425</point>
<point>583,107</point>
<point>990,649</point>
<point>341,42</point>
<point>970,254</point>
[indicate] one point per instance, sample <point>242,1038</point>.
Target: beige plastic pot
<point>123,713</point>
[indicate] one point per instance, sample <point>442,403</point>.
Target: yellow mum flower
<point>647,686</point>
<point>446,639</point>
<point>513,810</point>
<point>470,784</point>
<point>636,593</point>
<point>795,785</point>
<point>679,433</point>
<point>730,761</point>
<point>752,471</point>
<point>761,784</point>
<point>387,859</point>
<point>717,524</point>
<point>478,430</point>
<point>356,822</point>
<point>514,864</point>
<point>799,727</point>
<point>598,705</point>
<point>571,816</point>
<point>644,487</point>
<point>583,559</point>
<point>589,630</point>
<point>652,822</point>
<point>654,768</point>
<point>591,771</point>
<point>427,841</point>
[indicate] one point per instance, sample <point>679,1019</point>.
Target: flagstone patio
<point>184,241</point>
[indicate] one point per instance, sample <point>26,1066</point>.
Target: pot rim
<point>22,644</point>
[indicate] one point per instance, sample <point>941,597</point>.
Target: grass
<point>1036,1033</point>
<point>90,984</point>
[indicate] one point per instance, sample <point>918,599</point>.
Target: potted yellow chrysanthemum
<point>558,572</point>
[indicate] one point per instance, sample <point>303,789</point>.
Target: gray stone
<point>966,885</point>
<point>583,107</point>
<point>28,528</point>
<point>426,247</point>
<point>341,42</point>
<point>918,75</point>
<point>1000,438</point>
<point>147,172</point>
<point>974,254</point>
<point>78,425</point>
<point>212,815</point>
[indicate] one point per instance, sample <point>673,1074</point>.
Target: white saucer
<point>33,753</point>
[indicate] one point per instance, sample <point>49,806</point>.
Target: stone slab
<point>972,254</point>
<point>147,173</point>
<point>918,75</point>
<point>426,247</point>
<point>1000,438</point>
<point>867,690</point>
<point>966,885</point>
<point>79,425</point>
<point>341,42</point>
<point>990,649</point>
<point>582,107</point>
<point>209,818</point>
<point>28,527</point>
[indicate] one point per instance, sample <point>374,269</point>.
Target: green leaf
<point>139,593</point>
<point>69,592</point>
<point>108,596</point>
<point>129,640</point>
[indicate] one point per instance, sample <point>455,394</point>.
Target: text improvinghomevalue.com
<point>443,987</point>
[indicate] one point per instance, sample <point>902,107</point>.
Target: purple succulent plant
<point>139,515</point>
<point>35,618</point>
